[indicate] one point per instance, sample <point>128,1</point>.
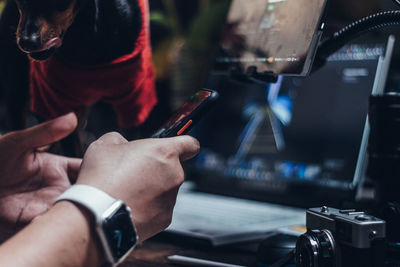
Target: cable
<point>355,29</point>
<point>397,2</point>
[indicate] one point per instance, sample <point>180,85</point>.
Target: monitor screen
<point>301,130</point>
<point>279,36</point>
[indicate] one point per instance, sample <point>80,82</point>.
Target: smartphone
<point>188,114</point>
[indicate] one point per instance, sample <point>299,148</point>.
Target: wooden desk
<point>154,252</point>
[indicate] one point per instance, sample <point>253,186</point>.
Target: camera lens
<point>316,248</point>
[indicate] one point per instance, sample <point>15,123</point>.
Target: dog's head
<point>42,25</point>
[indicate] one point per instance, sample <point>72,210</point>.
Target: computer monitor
<point>278,36</point>
<point>303,139</point>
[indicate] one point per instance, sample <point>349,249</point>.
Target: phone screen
<point>182,117</point>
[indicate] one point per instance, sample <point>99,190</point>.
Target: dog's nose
<point>29,43</point>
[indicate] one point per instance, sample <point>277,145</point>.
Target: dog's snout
<point>29,43</point>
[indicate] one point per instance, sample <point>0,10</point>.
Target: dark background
<point>184,38</point>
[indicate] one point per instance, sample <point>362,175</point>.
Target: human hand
<point>30,180</point>
<point>145,174</point>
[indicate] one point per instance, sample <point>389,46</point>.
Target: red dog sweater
<point>127,83</point>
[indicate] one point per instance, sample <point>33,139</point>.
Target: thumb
<point>48,132</point>
<point>187,146</point>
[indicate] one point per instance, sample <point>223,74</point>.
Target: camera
<point>341,238</point>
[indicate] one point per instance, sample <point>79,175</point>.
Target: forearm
<point>61,237</point>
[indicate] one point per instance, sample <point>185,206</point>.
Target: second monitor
<point>278,36</point>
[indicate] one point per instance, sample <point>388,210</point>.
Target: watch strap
<point>95,200</point>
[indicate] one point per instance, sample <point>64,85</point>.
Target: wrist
<point>60,237</point>
<point>112,220</point>
<point>88,251</point>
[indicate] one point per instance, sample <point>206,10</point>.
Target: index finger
<point>49,131</point>
<point>186,146</point>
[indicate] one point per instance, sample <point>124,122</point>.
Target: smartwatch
<point>113,220</point>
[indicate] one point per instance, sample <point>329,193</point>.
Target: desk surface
<point>154,252</point>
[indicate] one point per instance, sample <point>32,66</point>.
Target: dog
<point>59,56</point>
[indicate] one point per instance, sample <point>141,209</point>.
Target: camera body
<point>341,238</point>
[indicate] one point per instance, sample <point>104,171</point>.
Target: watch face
<point>120,232</point>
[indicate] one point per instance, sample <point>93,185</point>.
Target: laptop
<point>271,151</point>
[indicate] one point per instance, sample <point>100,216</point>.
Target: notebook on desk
<point>269,152</point>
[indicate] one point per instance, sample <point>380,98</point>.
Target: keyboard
<point>222,220</point>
